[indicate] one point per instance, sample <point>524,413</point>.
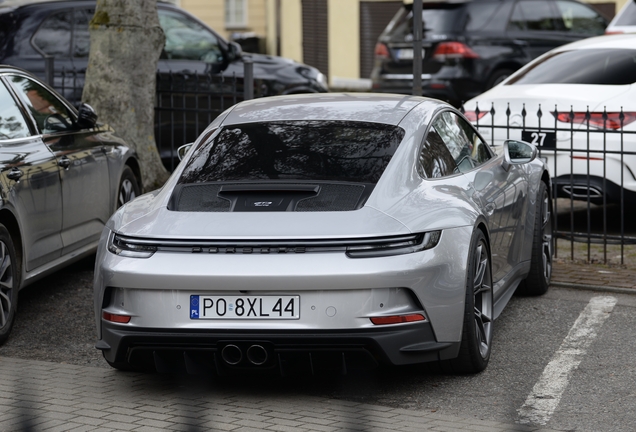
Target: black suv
<point>30,31</point>
<point>470,46</point>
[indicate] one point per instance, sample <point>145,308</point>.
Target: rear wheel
<point>128,187</point>
<point>8,284</point>
<point>538,280</point>
<point>474,352</point>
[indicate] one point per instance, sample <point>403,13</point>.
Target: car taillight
<point>450,50</point>
<point>122,319</point>
<point>610,120</point>
<point>474,116</point>
<point>381,50</point>
<point>614,32</point>
<point>397,319</point>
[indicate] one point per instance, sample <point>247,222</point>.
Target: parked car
<point>61,177</point>
<point>30,31</point>
<point>471,46</point>
<point>325,231</point>
<point>587,93</point>
<point>625,20</point>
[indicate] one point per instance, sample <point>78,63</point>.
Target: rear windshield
<point>589,66</point>
<point>298,150</point>
<point>442,18</point>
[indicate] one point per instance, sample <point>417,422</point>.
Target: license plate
<point>244,307</point>
<point>406,54</point>
<point>540,139</point>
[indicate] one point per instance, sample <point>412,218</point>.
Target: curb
<point>600,288</point>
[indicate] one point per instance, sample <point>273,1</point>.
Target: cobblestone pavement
<point>593,276</point>
<point>49,396</point>
<point>52,397</point>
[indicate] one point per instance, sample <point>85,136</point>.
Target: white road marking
<point>547,392</point>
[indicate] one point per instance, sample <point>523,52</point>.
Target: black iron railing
<point>592,161</point>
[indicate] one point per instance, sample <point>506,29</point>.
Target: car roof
<point>624,41</point>
<point>368,107</point>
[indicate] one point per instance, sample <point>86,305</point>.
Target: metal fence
<point>592,162</point>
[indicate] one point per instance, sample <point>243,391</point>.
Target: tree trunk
<point>126,42</point>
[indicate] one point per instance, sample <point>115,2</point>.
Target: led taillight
<point>609,120</point>
<point>381,50</point>
<point>122,319</point>
<point>397,319</point>
<point>474,116</point>
<point>446,50</point>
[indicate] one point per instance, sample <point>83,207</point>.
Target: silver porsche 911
<point>337,231</point>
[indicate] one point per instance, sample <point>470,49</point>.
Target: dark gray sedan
<point>62,176</point>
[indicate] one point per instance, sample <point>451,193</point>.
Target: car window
<point>49,112</point>
<point>465,146</point>
<point>491,16</point>
<point>187,39</point>
<point>436,18</point>
<point>588,66</point>
<point>435,160</point>
<point>53,36</point>
<point>533,15</point>
<point>296,150</point>
<point>81,36</point>
<point>580,19</point>
<point>12,122</point>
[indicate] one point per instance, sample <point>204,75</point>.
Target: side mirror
<point>86,117</point>
<point>518,152</point>
<point>234,51</point>
<point>183,150</point>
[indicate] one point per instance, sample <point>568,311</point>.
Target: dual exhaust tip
<point>233,355</point>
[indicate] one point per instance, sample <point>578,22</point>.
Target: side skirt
<point>506,286</point>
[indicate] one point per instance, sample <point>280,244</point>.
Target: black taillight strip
<point>272,246</point>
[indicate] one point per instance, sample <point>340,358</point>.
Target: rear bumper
<point>286,352</point>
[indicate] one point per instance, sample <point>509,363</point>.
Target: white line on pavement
<point>547,392</point>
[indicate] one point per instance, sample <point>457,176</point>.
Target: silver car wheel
<point>128,187</point>
<point>482,291</point>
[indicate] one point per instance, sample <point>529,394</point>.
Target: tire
<point>498,76</point>
<point>128,187</point>
<point>477,329</point>
<point>538,280</point>
<point>9,284</point>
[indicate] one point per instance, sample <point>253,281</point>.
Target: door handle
<point>15,174</point>
<point>64,162</point>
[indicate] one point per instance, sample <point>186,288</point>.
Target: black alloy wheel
<point>8,284</point>
<point>477,331</point>
<point>538,280</point>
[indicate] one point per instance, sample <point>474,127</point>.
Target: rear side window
<point>12,123</point>
<point>589,66</point>
<point>533,15</point>
<point>298,150</point>
<point>491,16</point>
<point>435,160</point>
<point>466,147</point>
<point>54,35</point>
